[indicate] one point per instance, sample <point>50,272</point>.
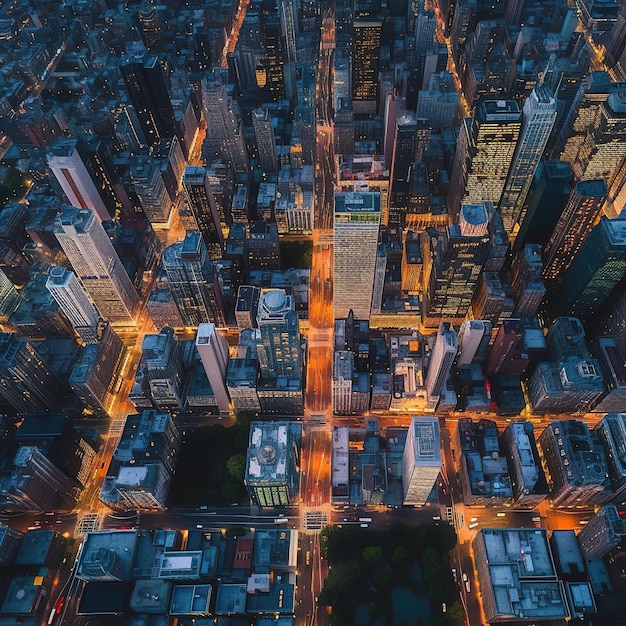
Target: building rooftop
<point>35,547</point>
<point>269,450</point>
<point>151,596</point>
<point>21,595</point>
<point>180,564</point>
<point>191,600</point>
<point>231,599</point>
<point>108,554</point>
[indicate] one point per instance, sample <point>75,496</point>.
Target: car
<point>500,514</point>
<point>352,518</point>
<point>464,577</point>
<point>308,557</point>
<point>536,519</point>
<point>474,519</point>
<point>58,606</point>
<point>198,525</point>
<point>467,586</point>
<point>204,507</point>
<point>471,526</point>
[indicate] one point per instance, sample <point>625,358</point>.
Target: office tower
<point>9,297</point>
<point>528,482</point>
<point>380,272</point>
<point>421,460</point>
<point>425,40</point>
<point>565,338</point>
<point>263,246</point>
<point>616,196</point>
<point>528,288</point>
<point>439,104</point>
<point>280,353</point>
<point>356,225</point>
<point>26,383</point>
<point>507,346</point>
<point>575,468</point>
<point>202,204</point>
<point>576,222</point>
<point>484,154</point>
<point>395,108</point>
<point>241,380</point>
<point>147,180</point>
<point>538,116</point>
<point>147,87</point>
<point>472,335</point>
<point>128,133</point>
<point>403,156</point>
<point>287,10</point>
<point>604,532</point>
<point>412,266</point>
<point>193,281</point>
<point>97,265</point>
<point>266,144</point>
<point>213,351</point>
<point>441,360</point>
<point>611,432</point>
<point>490,298</point>
<point>36,484</point>
<point>343,374</point>
<point>96,376</point>
<point>594,273</point>
<point>71,173</point>
<point>566,386</point>
<point>273,459</point>
<point>273,84</point>
<point>547,197</point>
<point>224,137</point>
<point>247,306</point>
<point>455,259</point>
<point>161,375</point>
<point>365,65</point>
<point>149,24</point>
<point>70,295</point>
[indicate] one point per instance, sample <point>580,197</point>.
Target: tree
<point>399,555</point>
<point>340,582</point>
<point>372,554</point>
<point>383,576</point>
<point>236,466</point>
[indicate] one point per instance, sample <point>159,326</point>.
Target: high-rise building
<point>453,263</point>
<point>484,154</point>
<point>538,116</point>
<point>96,376</point>
<point>36,484</point>
<point>575,468</point>
<point>602,533</point>
<point>273,459</point>
<point>528,482</point>
<point>224,138</point>
<point>213,351</point>
<point>594,273</point>
<point>343,373</point>
<point>26,383</point>
<point>247,306</point>
<point>147,87</point>
<point>71,173</point>
<point>149,24</point>
<point>356,226</point>
<point>528,288</point>
<point>147,179</point>
<point>263,246</point>
<point>97,265</point>
<point>439,104</point>
<point>441,360</point>
<point>421,460</point>
<point>506,348</point>
<point>576,222</point>
<point>71,296</point>
<point>9,297</point>
<point>193,281</point>
<point>202,204</point>
<point>471,338</point>
<point>611,431</point>
<point>265,141</point>
<point>280,352</point>
<point>365,65</point>
<point>547,197</point>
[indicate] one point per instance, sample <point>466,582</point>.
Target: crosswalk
<point>315,520</point>
<point>88,523</point>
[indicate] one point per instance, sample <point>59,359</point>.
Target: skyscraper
<point>193,281</point>
<point>148,90</point>
<point>71,296</point>
<point>594,273</point>
<point>472,336</point>
<point>357,220</point>
<point>71,173</point>
<point>213,351</point>
<point>441,360</point>
<point>577,219</point>
<point>404,155</point>
<point>202,204</point>
<point>538,116</point>
<point>280,354</point>
<point>26,383</point>
<point>9,297</point>
<point>224,138</point>
<point>97,265</point>
<point>455,259</point>
<point>266,144</point>
<point>484,154</point>
<point>421,460</point>
<point>365,65</point>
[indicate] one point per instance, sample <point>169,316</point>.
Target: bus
<point>281,520</point>
<point>365,519</point>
